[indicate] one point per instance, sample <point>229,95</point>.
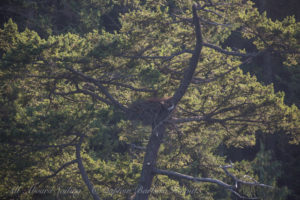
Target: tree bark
<point>144,188</point>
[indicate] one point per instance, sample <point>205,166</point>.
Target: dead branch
<point>231,188</point>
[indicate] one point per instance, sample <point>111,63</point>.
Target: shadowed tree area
<point>149,99</point>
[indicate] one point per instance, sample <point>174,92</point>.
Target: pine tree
<point>88,110</point>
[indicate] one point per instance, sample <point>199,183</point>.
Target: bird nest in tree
<point>148,111</point>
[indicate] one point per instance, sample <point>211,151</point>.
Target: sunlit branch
<point>239,181</point>
<point>176,175</point>
<point>241,196</point>
<point>232,188</point>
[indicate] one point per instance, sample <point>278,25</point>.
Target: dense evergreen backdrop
<point>81,99</point>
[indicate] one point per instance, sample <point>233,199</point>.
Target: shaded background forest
<point>54,17</point>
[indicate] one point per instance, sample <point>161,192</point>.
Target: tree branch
<point>57,171</point>
<point>188,119</point>
<point>232,188</point>
<point>209,80</point>
<point>238,181</point>
<point>83,172</point>
<point>132,88</point>
<point>23,190</point>
<point>87,92</point>
<point>101,88</point>
<point>231,53</point>
<point>189,72</point>
<point>176,175</point>
<point>164,58</point>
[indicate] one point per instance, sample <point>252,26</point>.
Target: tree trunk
<point>158,128</point>
<point>144,188</point>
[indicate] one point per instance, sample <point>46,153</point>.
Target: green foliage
<point>268,172</point>
<point>281,37</point>
<point>45,102</point>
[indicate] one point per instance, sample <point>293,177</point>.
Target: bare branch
<point>232,188</point>
<point>177,175</point>
<point>208,118</point>
<point>238,181</point>
<point>241,196</point>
